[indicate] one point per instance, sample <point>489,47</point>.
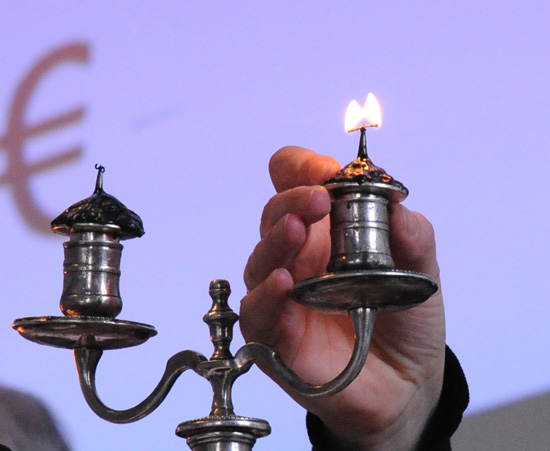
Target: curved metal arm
<point>363,319</point>
<point>87,360</point>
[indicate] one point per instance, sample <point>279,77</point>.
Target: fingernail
<point>282,279</point>
<point>409,223</point>
<point>318,202</point>
<point>327,170</point>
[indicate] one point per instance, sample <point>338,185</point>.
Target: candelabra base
<point>228,433</point>
<point>379,289</point>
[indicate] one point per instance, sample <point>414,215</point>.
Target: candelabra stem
<point>87,360</point>
<point>363,319</point>
<point>222,403</point>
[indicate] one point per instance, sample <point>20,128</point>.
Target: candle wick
<point>362,153</point>
<point>99,180</point>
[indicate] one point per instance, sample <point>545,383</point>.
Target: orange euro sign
<point>19,172</point>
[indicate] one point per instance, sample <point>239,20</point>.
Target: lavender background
<point>185,103</point>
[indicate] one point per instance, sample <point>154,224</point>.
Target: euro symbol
<point>19,172</point>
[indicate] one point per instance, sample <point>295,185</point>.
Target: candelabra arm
<point>363,319</point>
<point>87,360</point>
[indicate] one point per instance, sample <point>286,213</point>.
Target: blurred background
<point>185,102</point>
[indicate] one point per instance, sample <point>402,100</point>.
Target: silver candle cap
<point>91,268</point>
<point>361,196</point>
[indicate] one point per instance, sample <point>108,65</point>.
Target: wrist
<point>426,427</point>
<point>354,431</point>
<point>401,433</point>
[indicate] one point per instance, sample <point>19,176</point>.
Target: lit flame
<point>368,116</point>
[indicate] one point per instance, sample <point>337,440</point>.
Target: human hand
<point>389,404</point>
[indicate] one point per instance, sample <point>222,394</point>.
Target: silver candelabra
<point>361,280</point>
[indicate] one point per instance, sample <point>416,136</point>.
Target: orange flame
<point>368,116</point>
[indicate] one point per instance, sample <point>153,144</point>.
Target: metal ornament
<point>91,301</point>
<point>361,280</point>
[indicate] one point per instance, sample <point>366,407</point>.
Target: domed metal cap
<point>362,171</point>
<point>100,208</point>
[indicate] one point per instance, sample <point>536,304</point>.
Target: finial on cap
<point>99,179</point>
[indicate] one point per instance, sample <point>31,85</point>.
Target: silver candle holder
<point>361,270</point>
<point>361,280</point>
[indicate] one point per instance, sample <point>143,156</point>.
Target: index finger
<point>294,166</point>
